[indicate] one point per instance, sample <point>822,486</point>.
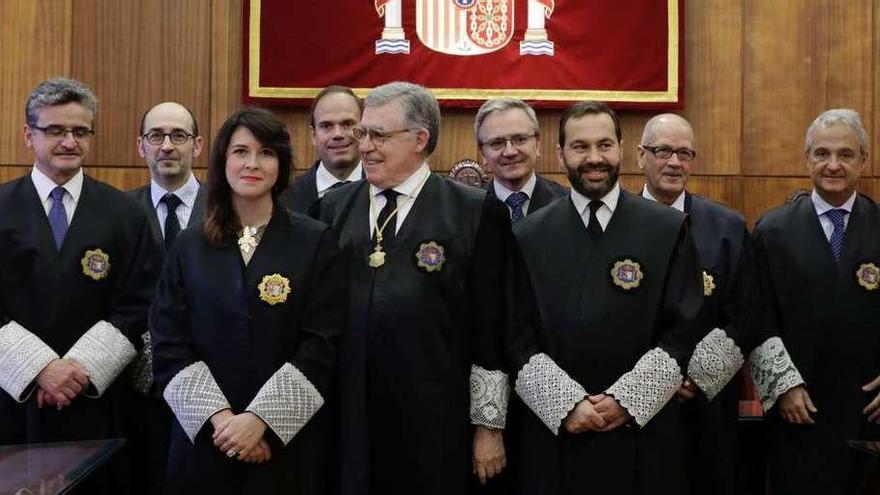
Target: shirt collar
<point>581,202</point>
<point>187,192</point>
<point>324,180</point>
<point>678,204</point>
<point>44,185</point>
<point>412,185</point>
<point>529,188</point>
<point>823,206</point>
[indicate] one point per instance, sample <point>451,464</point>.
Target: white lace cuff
<point>286,402</point>
<point>548,390</point>
<point>645,389</point>
<point>142,367</point>
<point>714,362</point>
<point>773,371</point>
<point>194,397</point>
<point>104,352</point>
<point>489,395</point>
<point>22,357</point>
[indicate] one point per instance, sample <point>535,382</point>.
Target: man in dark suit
<point>426,259</point>
<point>169,142</point>
<point>817,262</point>
<point>335,111</point>
<point>510,143</point>
<point>77,270</point>
<point>666,155</point>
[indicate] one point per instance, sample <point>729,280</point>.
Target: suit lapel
<point>146,200</point>
<point>429,195</point>
<point>198,211</point>
<point>34,209</point>
<point>540,196</point>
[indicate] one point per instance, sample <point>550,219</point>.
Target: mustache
<point>589,167</point>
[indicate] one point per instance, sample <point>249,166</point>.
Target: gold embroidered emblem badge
<point>95,264</point>
<point>868,276</point>
<point>274,289</point>
<point>627,274</point>
<point>430,256</point>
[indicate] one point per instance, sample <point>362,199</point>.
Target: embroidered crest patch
<point>274,289</point>
<point>868,276</point>
<point>708,284</point>
<point>626,274</point>
<point>430,256</point>
<point>95,264</point>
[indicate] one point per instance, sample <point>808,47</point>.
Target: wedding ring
<point>231,453</point>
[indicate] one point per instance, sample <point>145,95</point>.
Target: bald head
<point>170,163</point>
<point>666,155</point>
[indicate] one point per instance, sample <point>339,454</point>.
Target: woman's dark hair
<point>221,222</point>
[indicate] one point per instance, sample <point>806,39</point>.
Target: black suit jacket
<point>545,192</point>
<point>302,193</point>
<point>145,199</point>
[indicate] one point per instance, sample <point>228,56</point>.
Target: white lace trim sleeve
<point>23,356</point>
<point>104,352</point>
<point>490,393</point>
<point>773,371</point>
<point>645,389</point>
<point>194,396</point>
<point>286,402</point>
<point>714,362</point>
<point>548,390</point>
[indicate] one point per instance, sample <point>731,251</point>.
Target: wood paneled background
<point>757,73</point>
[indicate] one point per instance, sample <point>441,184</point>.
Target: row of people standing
<point>591,312</point>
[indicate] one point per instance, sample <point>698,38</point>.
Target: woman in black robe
<point>245,324</point>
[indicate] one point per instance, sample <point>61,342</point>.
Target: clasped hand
<point>596,413</point>
<point>60,382</point>
<point>242,434</point>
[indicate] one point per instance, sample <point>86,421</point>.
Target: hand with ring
<point>232,454</point>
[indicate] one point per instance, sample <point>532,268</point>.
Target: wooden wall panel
<point>135,54</point>
<point>875,147</point>
<point>226,66</point>
<point>801,57</point>
<point>34,45</point>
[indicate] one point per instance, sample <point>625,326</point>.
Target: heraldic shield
<point>464,27</point>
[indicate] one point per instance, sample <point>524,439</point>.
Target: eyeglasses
<point>665,152</point>
<point>59,131</point>
<point>378,138</point>
<point>177,137</point>
<point>516,140</point>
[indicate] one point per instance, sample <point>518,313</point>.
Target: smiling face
<point>399,155</point>
<point>251,168</point>
<point>170,164</point>
<point>335,115</point>
<point>60,158</point>
<point>512,165</point>
<point>591,155</point>
<point>835,162</point>
<point>666,178</point>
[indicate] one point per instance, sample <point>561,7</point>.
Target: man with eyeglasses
<point>817,262</point>
<point>607,291</point>
<point>666,155</point>
<point>426,258</point>
<point>77,269</point>
<point>169,142</point>
<point>335,111</point>
<point>510,143</point>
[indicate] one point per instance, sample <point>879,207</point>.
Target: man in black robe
<point>617,288</point>
<point>169,142</point>
<point>77,268</point>
<point>426,258</point>
<point>666,155</point>
<point>817,262</point>
<point>335,111</point>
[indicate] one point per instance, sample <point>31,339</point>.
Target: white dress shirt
<point>409,191</point>
<point>72,190</point>
<point>604,213</point>
<point>822,206</point>
<point>187,194</point>
<point>529,188</point>
<point>324,180</point>
<point>678,204</point>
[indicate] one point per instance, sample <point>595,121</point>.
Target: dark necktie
<point>172,224</point>
<point>58,216</point>
<point>594,228</point>
<point>338,185</point>
<point>836,216</point>
<point>516,201</point>
<point>388,232</point>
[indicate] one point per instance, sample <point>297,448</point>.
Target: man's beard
<point>589,189</point>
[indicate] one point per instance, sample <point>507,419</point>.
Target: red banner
<point>625,52</point>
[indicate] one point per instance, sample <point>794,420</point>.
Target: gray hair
<point>500,105</point>
<point>58,91</point>
<point>648,134</point>
<point>420,108</point>
<point>837,116</point>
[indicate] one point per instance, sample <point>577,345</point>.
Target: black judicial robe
<point>302,193</point>
<point>47,292</point>
<point>596,332</point>
<point>144,196</point>
<point>545,191</point>
<point>721,239</point>
<point>207,308</point>
<point>830,326</point>
<point>406,361</point>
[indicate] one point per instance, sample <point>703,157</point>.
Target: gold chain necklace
<point>377,257</point>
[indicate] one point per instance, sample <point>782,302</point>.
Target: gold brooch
<point>627,274</point>
<point>95,264</point>
<point>274,289</point>
<point>708,284</point>
<point>430,256</point>
<point>868,276</point>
